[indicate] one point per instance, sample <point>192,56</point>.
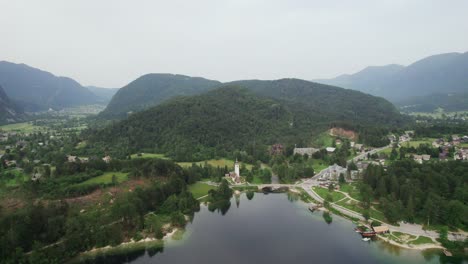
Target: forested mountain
<point>35,89</point>
<point>235,118</point>
<point>438,74</point>
<point>323,103</point>
<point>152,89</point>
<point>104,94</point>
<point>429,103</point>
<point>9,112</point>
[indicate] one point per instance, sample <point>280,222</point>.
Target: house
<point>36,176</point>
<point>392,138</point>
<point>338,141</point>
<point>352,143</point>
<point>438,142</point>
<point>3,137</point>
<point>71,158</point>
<point>21,143</point>
<point>417,158</point>
<point>404,138</point>
<point>303,151</point>
<point>362,166</point>
<point>107,159</point>
<point>10,163</point>
<point>426,157</point>
<point>461,154</point>
<point>333,172</point>
<point>354,174</point>
<point>380,229</point>
<point>455,137</point>
<point>84,160</point>
<point>276,149</point>
<point>358,147</point>
<point>330,149</point>
<point>443,155</point>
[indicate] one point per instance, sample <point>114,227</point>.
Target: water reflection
<point>268,229</point>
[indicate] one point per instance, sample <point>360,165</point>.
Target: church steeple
<point>236,168</point>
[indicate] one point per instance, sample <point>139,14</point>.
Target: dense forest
<point>429,193</point>
<point>67,230</point>
<point>232,118</point>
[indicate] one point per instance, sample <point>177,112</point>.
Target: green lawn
<point>19,178</point>
<point>352,190</point>
<point>25,127</point>
<point>257,180</point>
<point>107,178</point>
<point>322,192</point>
<point>215,163</point>
<point>200,189</point>
<point>354,206</point>
<point>148,156</point>
<point>323,140</point>
<point>422,240</point>
<point>318,165</point>
<point>416,143</point>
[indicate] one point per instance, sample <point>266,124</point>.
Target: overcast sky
<point>110,42</point>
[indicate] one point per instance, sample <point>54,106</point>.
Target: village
<point>26,156</point>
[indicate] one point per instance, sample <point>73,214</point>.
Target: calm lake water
<point>274,228</point>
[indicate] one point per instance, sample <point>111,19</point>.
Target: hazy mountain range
<point>9,111</point>
<point>441,74</point>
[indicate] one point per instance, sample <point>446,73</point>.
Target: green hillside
<point>9,111</point>
<point>152,89</point>
<point>235,118</point>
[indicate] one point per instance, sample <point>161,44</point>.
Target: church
<point>235,175</point>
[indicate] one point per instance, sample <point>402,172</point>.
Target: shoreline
<point>408,246</point>
<point>132,242</point>
<point>421,247</point>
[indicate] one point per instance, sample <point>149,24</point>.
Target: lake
<point>273,228</point>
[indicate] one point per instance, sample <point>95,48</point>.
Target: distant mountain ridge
<point>9,111</point>
<point>104,94</point>
<point>437,74</point>
<point>152,89</point>
<point>36,90</point>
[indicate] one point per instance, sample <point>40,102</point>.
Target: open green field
<point>322,192</point>
<point>19,177</point>
<point>416,143</point>
<point>26,127</point>
<point>354,206</point>
<point>107,178</point>
<point>215,163</point>
<point>323,140</point>
<point>352,190</point>
<point>148,156</point>
<point>318,165</point>
<point>200,189</point>
<point>421,240</point>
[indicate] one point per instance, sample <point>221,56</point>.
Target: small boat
<point>368,234</point>
<point>366,239</point>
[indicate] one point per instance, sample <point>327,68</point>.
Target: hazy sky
<point>109,42</point>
